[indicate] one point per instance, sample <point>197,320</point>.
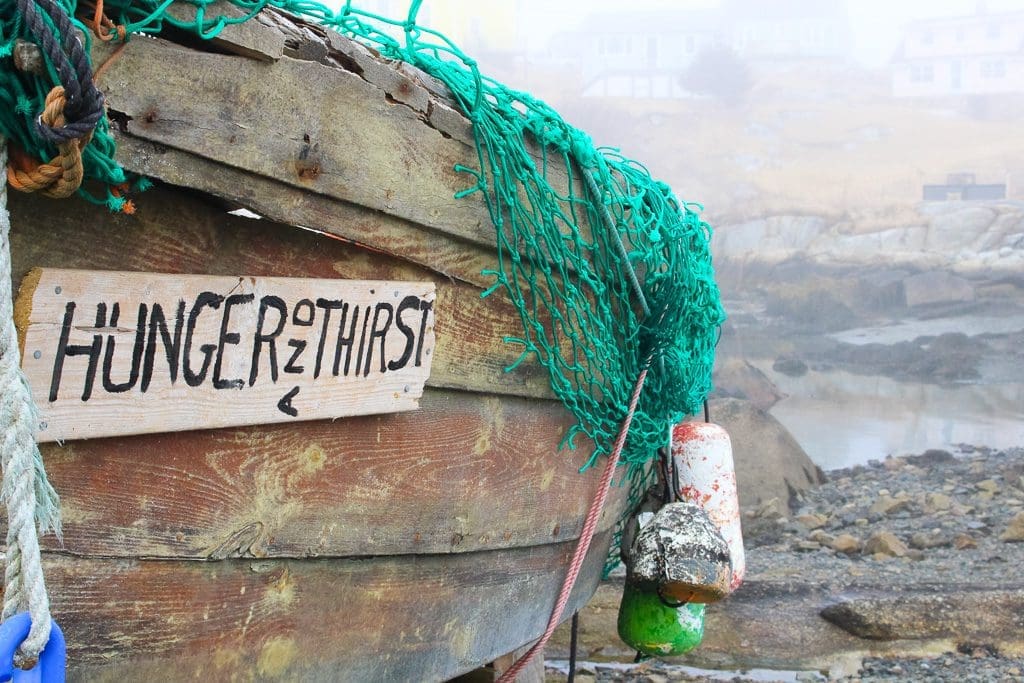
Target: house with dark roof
<point>980,54</point>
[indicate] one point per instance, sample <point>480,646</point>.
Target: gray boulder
<point>770,464</point>
<point>936,287</point>
<point>737,378</point>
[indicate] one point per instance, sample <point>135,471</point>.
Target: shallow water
<point>842,419</point>
<point>909,330</point>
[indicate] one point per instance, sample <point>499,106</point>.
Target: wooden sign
<point>110,353</point>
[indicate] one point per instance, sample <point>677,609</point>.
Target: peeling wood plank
<point>422,618</point>
<point>464,473</point>
<point>176,233</point>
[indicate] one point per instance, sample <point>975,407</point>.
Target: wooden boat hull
<point>407,546</point>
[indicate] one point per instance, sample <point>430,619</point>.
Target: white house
<point>644,54</point>
<point>788,29</point>
<point>636,54</point>
<point>982,54</point>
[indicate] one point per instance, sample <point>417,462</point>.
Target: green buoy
<point>654,628</point>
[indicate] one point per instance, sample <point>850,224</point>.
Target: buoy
<point>682,555</point>
<point>702,455</point>
<point>673,556</point>
<point>649,625</point>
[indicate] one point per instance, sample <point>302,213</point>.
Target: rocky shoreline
<point>903,569</point>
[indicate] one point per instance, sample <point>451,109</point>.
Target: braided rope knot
<point>62,175</point>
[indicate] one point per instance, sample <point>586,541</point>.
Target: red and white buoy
<point>702,454</point>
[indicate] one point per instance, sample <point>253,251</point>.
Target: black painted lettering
<point>408,303</point>
<point>426,307</point>
<point>171,342</point>
<point>345,340</point>
<point>362,340</point>
<point>299,345</point>
<point>378,331</point>
<point>204,300</point>
<point>303,321</point>
<point>108,356</point>
<point>328,305</point>
<point>262,337</point>
<point>226,338</point>
<point>64,350</point>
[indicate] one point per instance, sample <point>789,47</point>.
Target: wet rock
<point>926,541</point>
<point>885,543</point>
<point>886,505</point>
<point>817,309</point>
<point>977,615</point>
<point>936,287</point>
<point>988,485</point>
<point>806,546</point>
<point>812,521</point>
<point>791,367</point>
<point>769,462</point>
<point>892,464</point>
<point>846,544</point>
<point>935,502</point>
<point>1014,531</point>
<point>737,378</point>
<point>931,457</point>
<point>964,542</point>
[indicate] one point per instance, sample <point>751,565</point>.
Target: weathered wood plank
<point>110,353</point>
<point>463,473</point>
<point>177,233</point>
<point>402,82</point>
<point>383,141</point>
<point>426,618</point>
<point>313,126</point>
<point>250,38</point>
<point>443,254</point>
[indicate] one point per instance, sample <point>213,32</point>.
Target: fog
<point>862,164</point>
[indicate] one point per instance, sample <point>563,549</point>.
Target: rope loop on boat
<point>32,504</point>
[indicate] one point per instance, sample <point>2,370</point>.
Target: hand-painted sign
<point>109,353</point>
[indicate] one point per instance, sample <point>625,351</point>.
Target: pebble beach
<point>935,539</point>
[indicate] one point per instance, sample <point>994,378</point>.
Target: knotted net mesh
<point>609,271</point>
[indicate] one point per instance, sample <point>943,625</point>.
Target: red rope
<point>586,536</point>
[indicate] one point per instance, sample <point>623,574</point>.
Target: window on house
<point>922,73</point>
<point>994,30</point>
<point>927,38</point>
<point>993,68</point>
<point>691,44</point>
<point>961,34</point>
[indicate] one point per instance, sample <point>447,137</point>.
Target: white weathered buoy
<point>702,454</point>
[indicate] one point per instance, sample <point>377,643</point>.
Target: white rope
<point>24,490</point>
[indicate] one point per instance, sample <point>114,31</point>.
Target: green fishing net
<point>608,270</point>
